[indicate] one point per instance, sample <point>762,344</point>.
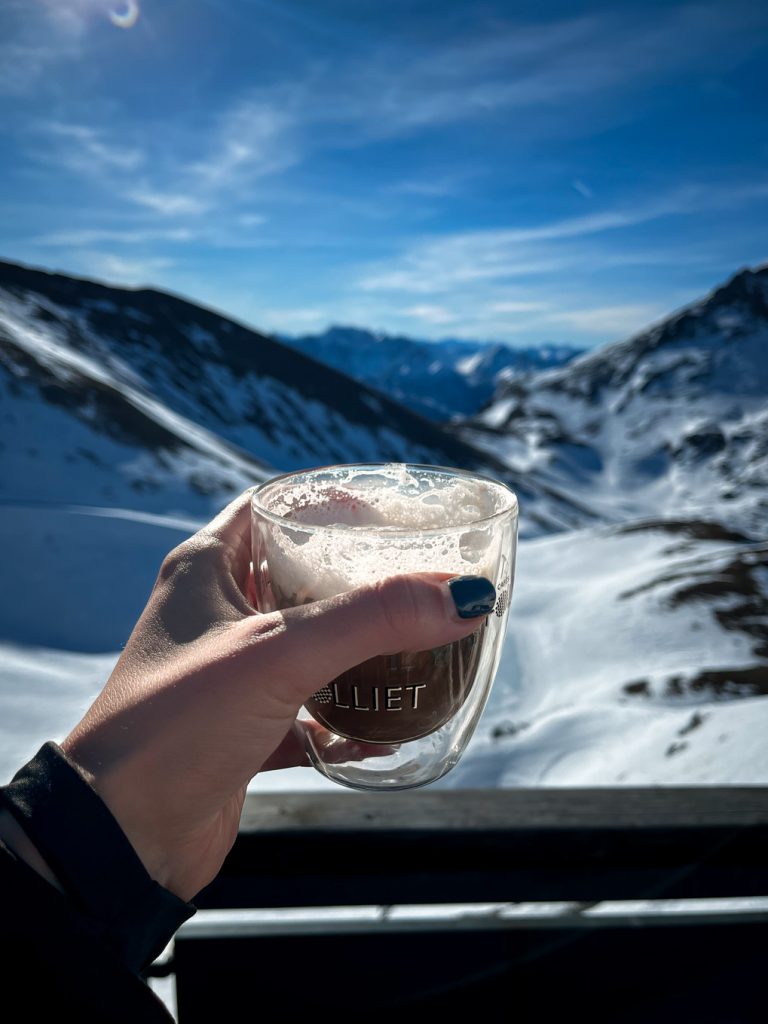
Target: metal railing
<point>437,901</point>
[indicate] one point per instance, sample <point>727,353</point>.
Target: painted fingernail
<point>472,595</point>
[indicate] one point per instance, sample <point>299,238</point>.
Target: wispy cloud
<point>292,319</point>
<point>541,71</point>
<point>528,68</point>
<point>517,306</point>
<point>74,18</point>
<point>531,279</point>
<point>251,220</point>
<point>168,204</point>
<point>438,264</point>
<point>431,314</point>
<point>86,149</point>
<point>107,265</point>
<point>23,64</point>
<point>534,69</point>
<point>582,188</point>
<point>335,154</point>
<point>98,236</point>
<point>435,269</point>
<point>253,139</point>
<point>434,187</point>
<point>36,36</point>
<point>248,142</point>
<point>612,321</point>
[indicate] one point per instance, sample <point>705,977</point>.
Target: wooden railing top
<point>496,845</point>
<point>626,808</point>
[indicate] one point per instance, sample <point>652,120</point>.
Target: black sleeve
<point>84,949</point>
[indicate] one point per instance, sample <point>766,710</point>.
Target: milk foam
<point>363,526</point>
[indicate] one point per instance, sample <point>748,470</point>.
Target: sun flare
<point>125,14</point>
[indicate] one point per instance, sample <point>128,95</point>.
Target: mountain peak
<point>674,417</point>
<point>747,287</point>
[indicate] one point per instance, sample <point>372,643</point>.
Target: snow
<point>558,713</point>
<point>592,613</point>
<point>470,364</point>
<point>643,461</point>
<point>631,642</point>
<point>499,412</point>
<point>50,454</point>
<point>66,364</point>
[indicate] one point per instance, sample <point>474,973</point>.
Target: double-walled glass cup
<point>402,720</point>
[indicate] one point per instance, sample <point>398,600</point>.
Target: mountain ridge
<point>98,353</point>
<point>440,379</point>
<point>672,420</point>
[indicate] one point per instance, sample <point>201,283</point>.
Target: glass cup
<point>403,720</point>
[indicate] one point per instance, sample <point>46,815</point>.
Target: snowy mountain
<point>143,400</point>
<point>440,379</point>
<point>76,429</point>
<point>636,654</point>
<point>145,386</point>
<point>671,422</point>
<point>638,650</point>
<point>638,642</point>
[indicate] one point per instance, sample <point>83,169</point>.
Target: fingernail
<point>472,595</point>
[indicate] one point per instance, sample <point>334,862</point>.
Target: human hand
<point>205,693</point>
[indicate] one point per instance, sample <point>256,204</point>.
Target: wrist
<point>98,869</point>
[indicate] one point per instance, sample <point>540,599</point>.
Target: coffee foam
<point>392,498</point>
<point>381,525</point>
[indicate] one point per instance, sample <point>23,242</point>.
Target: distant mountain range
<point>442,380</point>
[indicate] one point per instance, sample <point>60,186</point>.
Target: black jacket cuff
<point>91,856</point>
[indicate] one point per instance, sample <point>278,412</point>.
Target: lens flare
<point>124,15</point>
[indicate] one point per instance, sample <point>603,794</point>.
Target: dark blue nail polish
<point>472,595</point>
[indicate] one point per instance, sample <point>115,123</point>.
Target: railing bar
<point>611,808</point>
<point>399,926</point>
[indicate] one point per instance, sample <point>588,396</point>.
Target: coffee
<point>321,534</point>
<point>398,697</point>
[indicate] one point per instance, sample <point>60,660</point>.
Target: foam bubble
<point>383,499</point>
<point>380,523</point>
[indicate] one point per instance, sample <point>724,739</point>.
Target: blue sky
<point>515,171</point>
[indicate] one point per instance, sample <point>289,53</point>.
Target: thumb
<point>309,646</point>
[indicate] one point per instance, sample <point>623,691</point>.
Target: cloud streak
<point>168,204</point>
<point>121,270</point>
<point>85,149</point>
<point>530,69</point>
<point>437,265</point>
<point>525,69</point>
<point>36,38</point>
<point>613,321</point>
<point>97,236</point>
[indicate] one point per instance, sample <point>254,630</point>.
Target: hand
<point>207,689</point>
